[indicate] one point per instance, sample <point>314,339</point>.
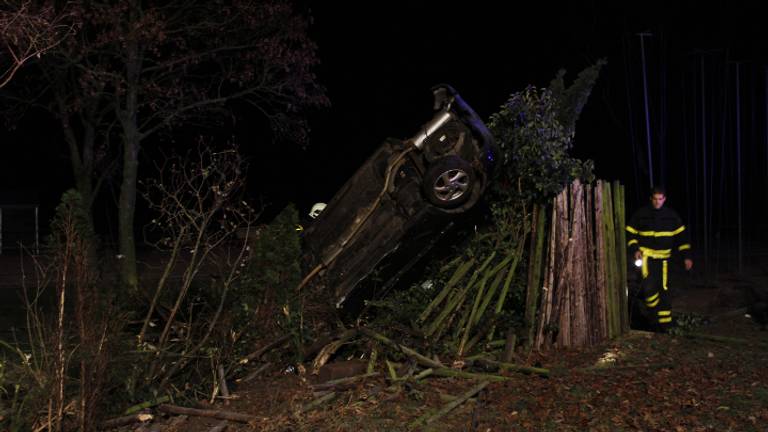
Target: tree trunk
<point>82,161</point>
<point>131,142</point>
<point>126,209</point>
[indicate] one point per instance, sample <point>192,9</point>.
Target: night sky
<point>380,59</point>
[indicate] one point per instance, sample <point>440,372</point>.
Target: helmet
<point>316,210</point>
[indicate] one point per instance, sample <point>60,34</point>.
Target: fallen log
<point>218,414</point>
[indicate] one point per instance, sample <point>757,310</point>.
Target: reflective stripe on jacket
<point>659,231</point>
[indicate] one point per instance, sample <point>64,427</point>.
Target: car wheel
<point>449,182</point>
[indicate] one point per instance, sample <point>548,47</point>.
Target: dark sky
<point>379,60</point>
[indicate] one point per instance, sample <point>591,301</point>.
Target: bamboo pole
<point>448,407</point>
<point>563,288</point>
<point>580,322</point>
<point>563,271</point>
<point>591,289</point>
<point>342,381</point>
<point>489,295</point>
<point>505,366</point>
<point>473,315</point>
<point>327,397</point>
<point>601,283</point>
<point>614,317</point>
<point>621,254</point>
<point>505,289</point>
<point>460,272</point>
<point>453,373</point>
<point>534,271</point>
<point>218,414</point>
<point>548,282</point>
<point>425,361</point>
<point>455,302</point>
<point>483,330</point>
<point>469,313</point>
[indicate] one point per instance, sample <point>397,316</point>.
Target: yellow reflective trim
<point>644,265</point>
<point>656,233</point>
<point>665,320</point>
<point>664,313</point>
<point>655,253</point>
<point>653,304</point>
<point>664,274</point>
<point>652,298</point>
<point>684,247</point>
<point>631,242</point>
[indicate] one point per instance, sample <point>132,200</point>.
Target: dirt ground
<point>639,382</point>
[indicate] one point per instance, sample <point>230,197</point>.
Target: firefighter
<point>654,233</point>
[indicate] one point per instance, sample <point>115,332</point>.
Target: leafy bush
<point>535,129</point>
<point>271,276</point>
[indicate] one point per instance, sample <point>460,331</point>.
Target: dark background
<point>379,60</point>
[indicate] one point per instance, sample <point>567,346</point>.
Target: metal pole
<point>647,114</point>
<point>738,164</point>
<point>704,164</point>
<point>1,230</point>
<point>37,232</point>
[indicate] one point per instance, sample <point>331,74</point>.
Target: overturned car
<point>401,199</point>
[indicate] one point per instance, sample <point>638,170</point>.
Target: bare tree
<point>199,207</point>
<point>27,31</point>
<point>139,68</point>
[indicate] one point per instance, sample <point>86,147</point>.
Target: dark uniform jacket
<point>658,233</point>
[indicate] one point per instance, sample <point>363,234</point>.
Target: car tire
<point>449,182</point>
